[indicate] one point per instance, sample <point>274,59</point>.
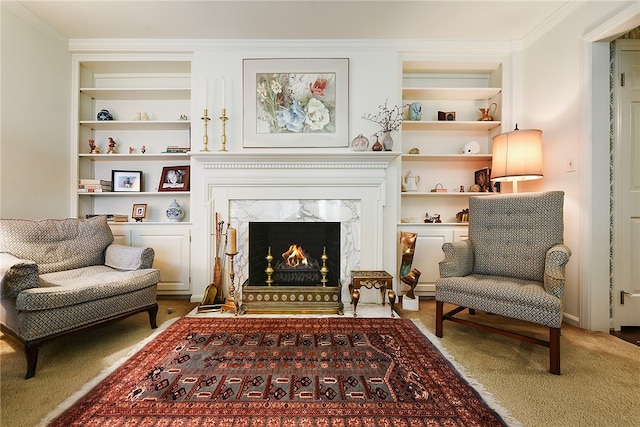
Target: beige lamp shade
<point>517,156</point>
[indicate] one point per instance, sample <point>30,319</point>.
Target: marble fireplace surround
<point>346,187</point>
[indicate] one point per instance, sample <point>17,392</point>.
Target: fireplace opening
<point>302,244</point>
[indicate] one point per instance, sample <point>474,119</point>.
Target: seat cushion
<point>67,288</point>
<point>516,298</point>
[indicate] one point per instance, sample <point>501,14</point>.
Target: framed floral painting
<point>296,102</point>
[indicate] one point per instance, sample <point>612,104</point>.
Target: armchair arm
<point>16,275</point>
<point>556,259</point>
<point>458,259</point>
<point>123,257</point>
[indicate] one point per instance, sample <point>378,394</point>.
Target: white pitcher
<point>410,183</point>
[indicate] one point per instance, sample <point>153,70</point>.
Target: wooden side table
<point>371,279</point>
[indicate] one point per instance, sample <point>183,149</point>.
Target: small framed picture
<point>448,116</point>
<point>126,181</point>
<point>483,179</point>
<point>139,212</point>
<point>174,178</point>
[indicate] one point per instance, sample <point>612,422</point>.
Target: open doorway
<point>625,212</point>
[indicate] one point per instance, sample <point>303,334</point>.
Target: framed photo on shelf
<point>126,181</point>
<point>296,103</point>
<point>483,179</point>
<point>174,178</point>
<point>139,212</point>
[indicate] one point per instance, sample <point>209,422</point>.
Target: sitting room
<point>319,213</point>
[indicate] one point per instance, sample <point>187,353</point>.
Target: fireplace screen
<point>297,249</point>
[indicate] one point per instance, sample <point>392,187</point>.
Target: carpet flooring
<point>287,372</point>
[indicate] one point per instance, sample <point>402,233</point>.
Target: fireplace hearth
<point>315,238</point>
<point>330,186</point>
<point>284,273</point>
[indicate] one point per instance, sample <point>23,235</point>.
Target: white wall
<point>555,95</point>
<point>35,155</point>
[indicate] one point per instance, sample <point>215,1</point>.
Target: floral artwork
<point>300,103</point>
<point>296,102</point>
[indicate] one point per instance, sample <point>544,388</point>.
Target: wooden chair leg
<point>439,318</point>
<point>31,351</point>
<point>153,313</point>
<point>554,351</point>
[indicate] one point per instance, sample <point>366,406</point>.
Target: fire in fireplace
<point>295,256</point>
<point>295,268</point>
<point>301,245</point>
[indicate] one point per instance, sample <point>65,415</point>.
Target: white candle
<point>224,93</point>
<point>232,240</point>
<point>206,93</point>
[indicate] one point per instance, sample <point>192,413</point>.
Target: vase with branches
<point>389,118</point>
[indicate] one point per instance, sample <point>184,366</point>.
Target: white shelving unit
<point>462,88</point>
<point>132,86</point>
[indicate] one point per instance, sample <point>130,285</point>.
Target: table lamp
<point>517,156</point>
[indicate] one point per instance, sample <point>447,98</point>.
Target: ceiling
<point>295,19</point>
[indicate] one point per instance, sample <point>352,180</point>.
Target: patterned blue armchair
<point>512,265</point>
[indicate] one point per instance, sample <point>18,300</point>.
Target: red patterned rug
<point>285,372</point>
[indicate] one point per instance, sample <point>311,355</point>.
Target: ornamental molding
<point>309,165</point>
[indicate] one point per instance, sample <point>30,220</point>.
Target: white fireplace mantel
<point>348,187</point>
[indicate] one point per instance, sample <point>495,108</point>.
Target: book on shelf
<point>94,190</point>
<point>176,149</point>
<point>120,218</point>
<point>95,186</point>
<point>88,181</point>
<point>109,216</point>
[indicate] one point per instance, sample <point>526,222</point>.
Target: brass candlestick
<point>269,269</point>
<point>324,270</point>
<point>205,139</point>
<point>223,118</point>
<point>232,303</point>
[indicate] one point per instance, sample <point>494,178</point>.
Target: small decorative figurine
<point>131,150</point>
<point>112,146</point>
<point>143,149</point>
<point>435,219</point>
<point>92,146</point>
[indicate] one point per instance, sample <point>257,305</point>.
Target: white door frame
<point>595,291</point>
<point>621,279</point>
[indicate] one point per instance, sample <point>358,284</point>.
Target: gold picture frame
<point>139,211</point>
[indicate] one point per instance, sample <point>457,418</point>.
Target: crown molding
<point>565,10</point>
<point>437,47</point>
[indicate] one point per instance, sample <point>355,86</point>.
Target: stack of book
<point>120,218</point>
<point>94,186</point>
<point>176,149</point>
<point>111,217</point>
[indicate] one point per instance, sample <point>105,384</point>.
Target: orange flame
<point>295,256</point>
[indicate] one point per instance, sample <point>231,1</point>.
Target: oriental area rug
<point>286,372</point>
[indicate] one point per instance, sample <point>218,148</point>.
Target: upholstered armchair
<point>511,265</point>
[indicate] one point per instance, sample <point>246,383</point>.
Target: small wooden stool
<point>370,279</point>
